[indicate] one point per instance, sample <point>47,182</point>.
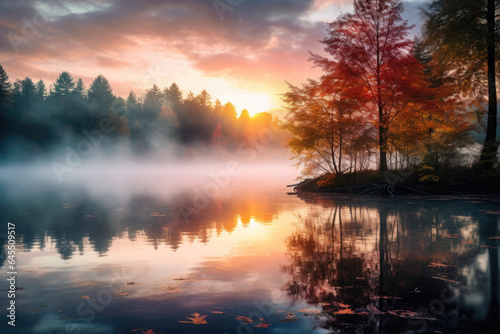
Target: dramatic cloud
<point>231,48</point>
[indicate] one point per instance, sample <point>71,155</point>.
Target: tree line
<point>35,119</point>
<point>393,102</point>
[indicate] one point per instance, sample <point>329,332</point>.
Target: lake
<point>246,260</point>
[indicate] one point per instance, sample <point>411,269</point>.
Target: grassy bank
<point>419,180</point>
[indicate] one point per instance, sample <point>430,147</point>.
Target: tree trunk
<point>490,147</point>
<point>382,136</point>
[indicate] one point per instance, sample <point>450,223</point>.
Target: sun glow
<point>254,103</point>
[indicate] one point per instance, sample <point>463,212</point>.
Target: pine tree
<point>153,101</point>
<point>204,99</point>
<point>40,91</point>
<point>5,89</point>
<point>63,87</point>
<point>80,88</point>
<point>173,95</point>
<point>28,93</point>
<point>101,93</point>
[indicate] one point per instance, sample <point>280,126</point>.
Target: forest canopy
<point>36,120</point>
<point>389,102</point>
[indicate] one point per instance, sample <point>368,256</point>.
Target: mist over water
<point>122,177</point>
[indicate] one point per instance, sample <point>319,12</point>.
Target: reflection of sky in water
<point>233,258</point>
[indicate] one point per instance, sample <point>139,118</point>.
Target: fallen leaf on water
<point>445,279</point>
<point>468,242</point>
<point>157,214</point>
<point>342,305</point>
<point>217,312</point>
<point>243,319</point>
<point>439,265</point>
<point>67,318</point>
<point>263,324</point>
<point>486,246</point>
<point>83,283</point>
<point>289,318</point>
<point>197,319</point>
<point>409,314</point>
<point>345,311</point>
<point>62,310</point>
<point>85,297</point>
<point>120,294</point>
<point>308,311</point>
<point>150,331</point>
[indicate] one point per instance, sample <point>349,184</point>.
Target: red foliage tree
<point>371,53</point>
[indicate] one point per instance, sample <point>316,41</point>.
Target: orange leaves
<point>263,324</point>
<point>290,317</point>
<point>248,321</point>
<point>197,319</point>
<point>244,320</point>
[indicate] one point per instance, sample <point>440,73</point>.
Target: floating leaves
<point>247,321</point>
<point>149,331</point>
<point>244,320</point>
<point>83,283</point>
<point>120,294</point>
<point>446,279</point>
<point>289,317</point>
<point>196,320</point>
<point>263,324</point>
<point>346,311</point>
<point>410,314</point>
<point>309,312</point>
<point>439,265</point>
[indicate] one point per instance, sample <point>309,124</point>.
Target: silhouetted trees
<point>35,121</point>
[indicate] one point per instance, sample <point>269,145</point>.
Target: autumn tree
<point>370,51</point>
<point>321,121</point>
<point>463,35</point>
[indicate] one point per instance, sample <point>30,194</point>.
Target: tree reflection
<point>381,266</point>
<point>71,221</point>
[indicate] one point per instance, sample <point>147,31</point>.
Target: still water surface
<point>115,263</point>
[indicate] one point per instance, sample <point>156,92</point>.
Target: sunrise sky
<point>241,53</point>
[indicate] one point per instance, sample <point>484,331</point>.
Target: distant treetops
<point>34,121</point>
